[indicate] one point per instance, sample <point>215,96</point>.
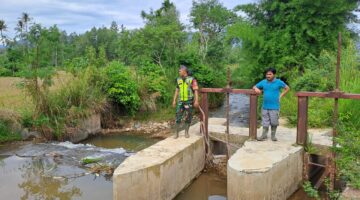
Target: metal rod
<point>316,164</point>
<point>228,112</point>
<point>230,144</point>
<point>335,117</point>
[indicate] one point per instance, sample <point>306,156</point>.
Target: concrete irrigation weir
<point>257,170</point>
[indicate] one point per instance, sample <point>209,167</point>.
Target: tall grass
<point>320,111</point>
<point>77,99</point>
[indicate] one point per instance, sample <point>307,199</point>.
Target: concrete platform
<point>162,170</point>
<point>265,170</point>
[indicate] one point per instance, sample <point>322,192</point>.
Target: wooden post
<point>301,137</point>
<point>253,116</point>
<point>205,107</point>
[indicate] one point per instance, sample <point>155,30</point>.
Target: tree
<point>25,18</point>
<point>285,33</point>
<point>3,28</point>
<point>163,35</point>
<point>210,18</point>
<point>54,38</point>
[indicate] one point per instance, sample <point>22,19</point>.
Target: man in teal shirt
<point>271,86</point>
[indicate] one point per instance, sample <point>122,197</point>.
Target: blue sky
<point>81,15</point>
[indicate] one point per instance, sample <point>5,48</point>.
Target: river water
<point>56,170</point>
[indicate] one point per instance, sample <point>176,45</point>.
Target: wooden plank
<point>253,116</point>
<point>301,137</point>
<point>321,179</point>
<point>329,95</point>
<point>230,90</point>
<point>350,96</point>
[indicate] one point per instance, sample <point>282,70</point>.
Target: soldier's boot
<point>177,130</point>
<point>187,127</point>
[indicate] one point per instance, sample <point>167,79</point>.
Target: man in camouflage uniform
<point>186,96</point>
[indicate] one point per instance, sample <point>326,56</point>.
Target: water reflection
<point>208,186</point>
<point>37,185</point>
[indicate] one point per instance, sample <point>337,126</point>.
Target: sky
<point>81,15</point>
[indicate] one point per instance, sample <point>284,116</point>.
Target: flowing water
<point>56,170</point>
<point>239,110</point>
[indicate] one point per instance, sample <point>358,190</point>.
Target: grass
<point>164,113</point>
<point>14,98</point>
<point>86,161</point>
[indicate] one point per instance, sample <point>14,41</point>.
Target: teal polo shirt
<point>271,90</point>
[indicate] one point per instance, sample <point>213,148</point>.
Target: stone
<point>26,134</point>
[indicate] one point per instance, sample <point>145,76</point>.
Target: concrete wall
<point>264,170</point>
<point>160,171</point>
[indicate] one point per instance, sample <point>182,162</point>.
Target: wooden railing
<point>253,106</point>
<point>303,101</point>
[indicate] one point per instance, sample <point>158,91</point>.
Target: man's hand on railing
<point>257,90</point>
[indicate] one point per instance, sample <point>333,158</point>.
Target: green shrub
<point>121,87</point>
<point>209,78</point>
<point>64,106</point>
<point>7,132</point>
<point>310,190</point>
<point>348,152</point>
<point>152,78</point>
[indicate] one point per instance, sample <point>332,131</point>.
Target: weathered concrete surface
<point>264,170</point>
<point>350,194</point>
<point>86,127</point>
<point>162,170</point>
<point>319,136</point>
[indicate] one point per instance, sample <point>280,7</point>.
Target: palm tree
<point>20,27</point>
<point>3,28</point>
<point>25,18</point>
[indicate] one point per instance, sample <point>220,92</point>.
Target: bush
<point>5,72</point>
<point>348,151</point>
<point>63,106</point>
<point>152,86</point>
<point>319,74</point>
<point>120,85</point>
<point>321,78</point>
<point>9,126</point>
<point>209,78</point>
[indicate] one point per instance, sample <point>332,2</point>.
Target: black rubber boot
<point>273,132</point>
<point>264,134</point>
<point>187,127</point>
<point>177,130</point>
